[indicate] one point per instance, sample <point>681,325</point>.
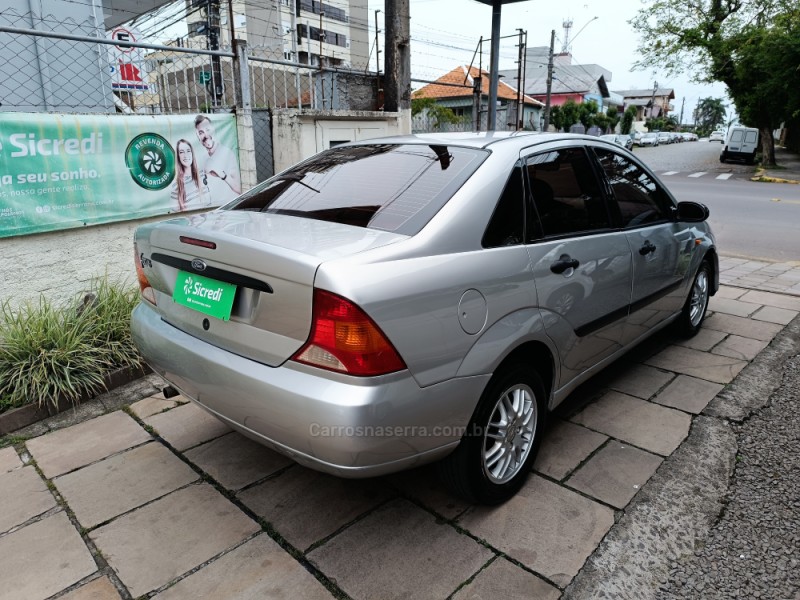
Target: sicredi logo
<point>29,144</point>
<point>198,290</point>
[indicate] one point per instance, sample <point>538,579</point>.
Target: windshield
<point>382,186</point>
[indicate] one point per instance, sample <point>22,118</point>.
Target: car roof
<point>477,139</point>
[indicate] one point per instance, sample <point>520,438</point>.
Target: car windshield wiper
<point>297,178</point>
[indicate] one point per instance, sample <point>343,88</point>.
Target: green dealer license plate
<point>206,295</point>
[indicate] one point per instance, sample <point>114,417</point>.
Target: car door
<point>660,247</point>
<point>581,266</point>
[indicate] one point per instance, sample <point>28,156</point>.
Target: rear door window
<point>750,137</point>
<point>383,186</point>
<point>566,192</point>
<point>736,136</point>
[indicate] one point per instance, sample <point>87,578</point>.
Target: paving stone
<point>770,299</point>
<point>425,486</point>
<point>77,414</point>
<point>688,393</point>
<point>503,579</point>
<point>712,367</point>
<point>9,460</point>
<point>23,495</point>
<point>400,551</point>
<point>256,570</point>
<point>151,546</point>
<point>564,447</point>
<point>67,449</point>
<point>97,589</point>
<point>615,473</point>
<point>643,424</point>
<point>122,482</point>
<point>641,381</point>
<point>153,405</point>
<point>726,291</point>
<point>772,314</point>
<point>187,426</point>
<point>758,330</point>
<point>740,348</point>
<point>306,506</point>
<point>564,527</point>
<point>732,307</point>
<point>43,558</point>
<point>235,461</point>
<point>704,340</point>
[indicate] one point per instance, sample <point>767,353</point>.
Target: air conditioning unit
<point>198,28</point>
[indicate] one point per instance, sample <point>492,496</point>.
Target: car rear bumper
<point>346,426</point>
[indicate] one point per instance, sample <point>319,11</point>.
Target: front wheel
<point>497,452</point>
<point>694,310</point>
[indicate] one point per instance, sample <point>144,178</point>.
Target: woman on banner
<point>190,189</point>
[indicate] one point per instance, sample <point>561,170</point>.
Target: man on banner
<point>225,182</point>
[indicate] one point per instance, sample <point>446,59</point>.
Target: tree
<point>556,117</point>
<point>613,117</point>
<point>709,114</point>
<point>570,114</point>
<point>627,119</point>
<point>438,114</point>
<point>587,112</point>
<point>713,39</point>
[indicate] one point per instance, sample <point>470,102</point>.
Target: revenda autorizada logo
<point>151,161</point>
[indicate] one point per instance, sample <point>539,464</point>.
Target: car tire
<point>694,310</point>
<point>722,157</point>
<point>492,462</point>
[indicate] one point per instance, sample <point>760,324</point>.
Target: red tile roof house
<point>455,90</point>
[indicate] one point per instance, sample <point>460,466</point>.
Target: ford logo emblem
<point>198,264</point>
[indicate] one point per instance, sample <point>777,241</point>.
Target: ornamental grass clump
<point>51,354</point>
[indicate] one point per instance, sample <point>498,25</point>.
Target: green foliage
<point>613,117</point>
<point>588,111</point>
<point>438,114</point>
<point>51,353</point>
<point>570,114</point>
<point>602,121</point>
<point>709,114</point>
<point>627,120</point>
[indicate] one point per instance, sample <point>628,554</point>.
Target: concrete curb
<point>680,504</point>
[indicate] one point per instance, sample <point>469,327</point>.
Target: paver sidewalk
<point>159,500</point>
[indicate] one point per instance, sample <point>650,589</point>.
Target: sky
<point>445,33</point>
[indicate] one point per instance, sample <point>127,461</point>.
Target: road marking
<point>700,174</point>
<point>725,176</point>
<point>670,173</point>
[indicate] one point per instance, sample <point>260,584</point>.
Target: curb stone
<point>681,503</point>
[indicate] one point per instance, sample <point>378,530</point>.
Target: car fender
<point>497,342</point>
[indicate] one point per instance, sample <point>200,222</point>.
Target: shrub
<point>53,353</point>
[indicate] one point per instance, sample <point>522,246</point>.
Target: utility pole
<point>213,44</point>
<point>683,103</point>
<point>520,83</point>
<point>549,81</point>
<point>494,67</point>
<point>653,100</point>
<point>295,11</point>
<point>397,56</point>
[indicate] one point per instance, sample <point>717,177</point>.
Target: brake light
<point>344,339</point>
<point>148,293</point>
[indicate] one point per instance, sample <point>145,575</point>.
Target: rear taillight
<point>148,293</point>
<point>344,339</point>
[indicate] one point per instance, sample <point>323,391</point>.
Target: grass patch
<point>51,354</point>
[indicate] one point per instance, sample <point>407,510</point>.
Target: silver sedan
<point>425,298</point>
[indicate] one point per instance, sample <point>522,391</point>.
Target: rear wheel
<point>694,311</point>
<point>497,452</point>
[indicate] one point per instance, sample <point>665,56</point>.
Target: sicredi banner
<point>64,171</point>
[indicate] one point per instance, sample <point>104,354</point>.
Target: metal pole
<point>519,83</point>
<point>295,59</point>
<point>494,73</point>
<point>549,81</point>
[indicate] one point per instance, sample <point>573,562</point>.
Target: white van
<point>742,143</point>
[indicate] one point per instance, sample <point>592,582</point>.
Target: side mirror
<point>692,212</point>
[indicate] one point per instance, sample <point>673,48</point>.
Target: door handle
<point>647,248</point>
<point>564,262</point>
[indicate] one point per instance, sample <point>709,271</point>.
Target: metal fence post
<point>244,118</point>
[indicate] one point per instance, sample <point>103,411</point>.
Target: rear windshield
<point>384,186</point>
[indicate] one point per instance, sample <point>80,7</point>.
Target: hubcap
<point>509,434</point>
<point>699,299</point>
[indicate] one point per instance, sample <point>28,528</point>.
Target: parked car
<point>648,139</point>
<point>398,301</point>
<point>621,140</point>
<point>688,136</point>
<point>717,136</point>
<point>742,144</point>
<point>664,137</point>
<point>675,137</point>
